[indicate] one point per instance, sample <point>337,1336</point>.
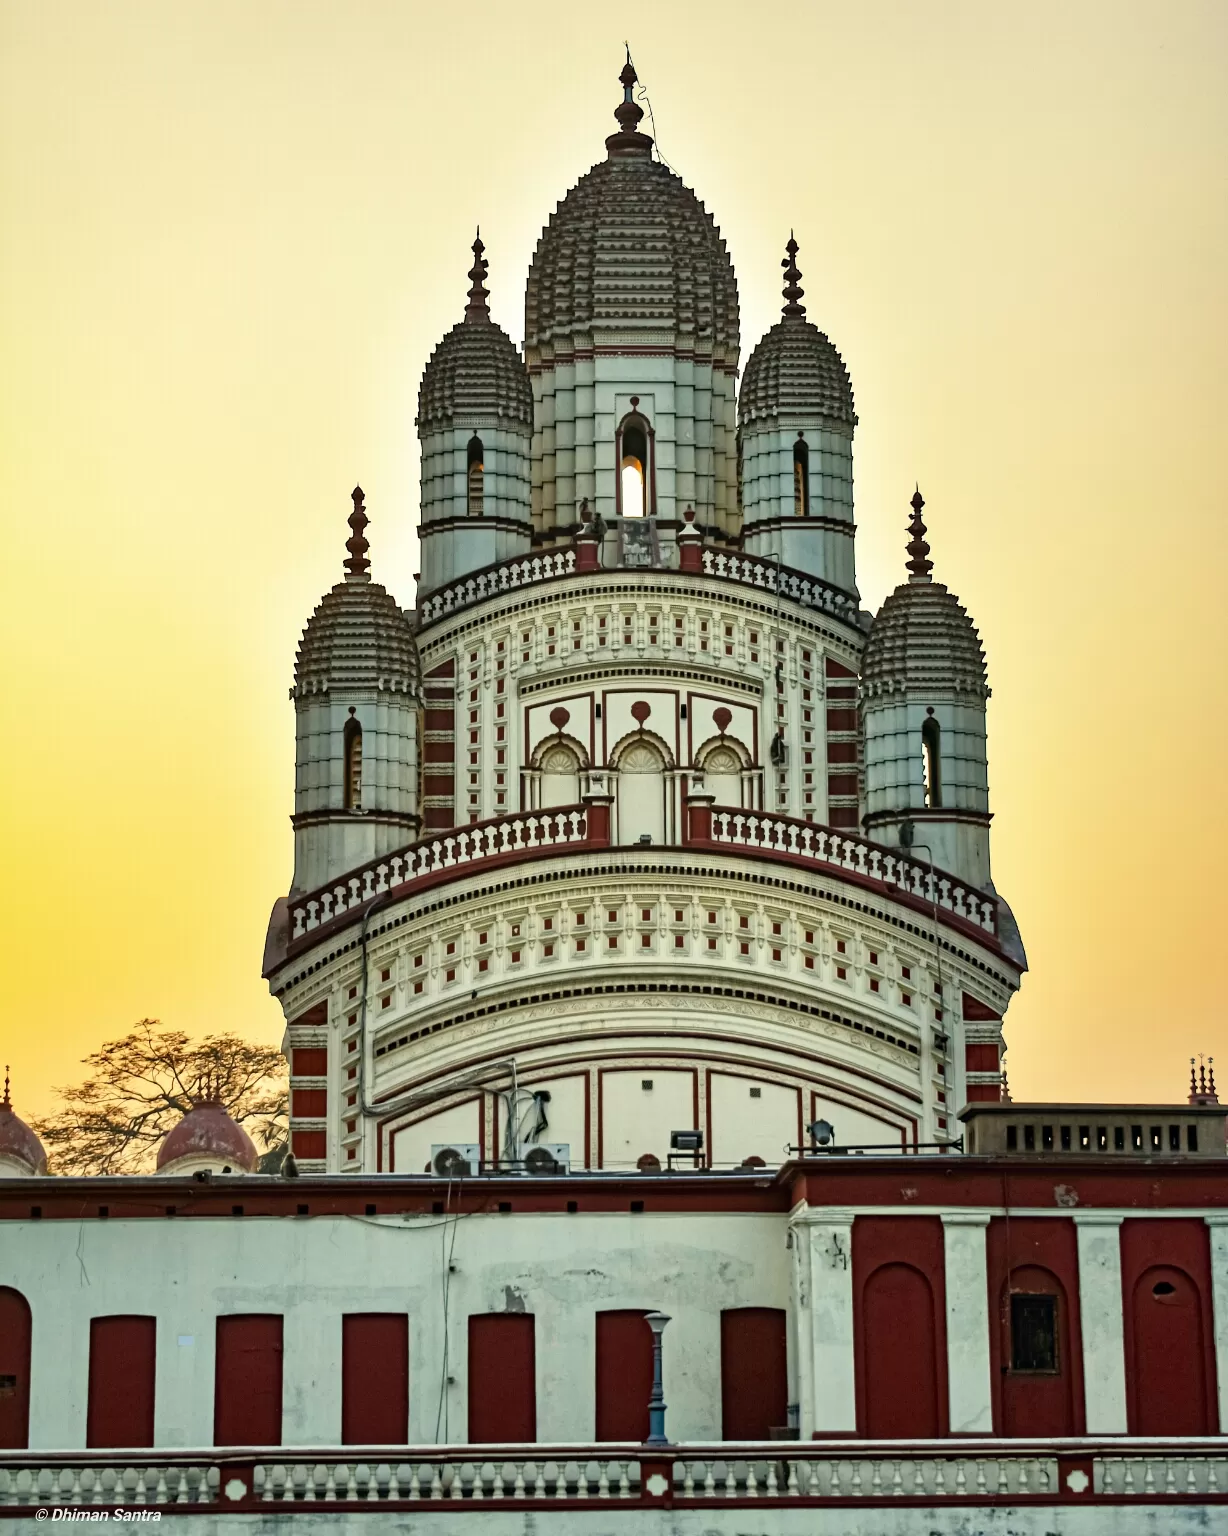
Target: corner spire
<point>628,140</point>
<point>7,1102</point>
<point>476,309</point>
<point>357,567</point>
<point>793,293</point>
<point>919,563</point>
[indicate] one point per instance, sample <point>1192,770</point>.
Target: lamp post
<point>656,1403</point>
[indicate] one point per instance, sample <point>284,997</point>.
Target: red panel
<point>899,1289</point>
<point>834,668</point>
<point>983,1093</point>
<point>842,752</point>
<point>975,1009</point>
<point>981,1057</point>
<point>247,1380</point>
<point>374,1378</point>
<point>841,719</point>
<point>624,1375</point>
<point>309,1144</point>
<point>316,1015</point>
<point>309,1103</point>
<point>1042,1256</point>
<point>1169,1333</point>
<point>843,816</point>
<point>121,1381</point>
<point>309,1061</point>
<point>754,1373</point>
<point>14,1370</point>
<point>502,1378</point>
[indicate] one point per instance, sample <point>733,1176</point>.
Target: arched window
<point>353,765</point>
<point>560,777</point>
<point>634,456</point>
<point>722,770</point>
<point>931,765</point>
<point>801,478</point>
<point>476,471</point>
<point>641,794</point>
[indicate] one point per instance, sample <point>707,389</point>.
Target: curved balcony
<point>765,576</point>
<point>530,835</point>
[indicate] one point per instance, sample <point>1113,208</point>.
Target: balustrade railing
<point>522,571</point>
<point>524,834</point>
<point>972,1472</point>
<point>814,844</point>
<point>755,571</point>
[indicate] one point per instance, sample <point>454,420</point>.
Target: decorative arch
<point>1168,1379</point>
<point>555,741</point>
<point>475,476</point>
<point>632,738</point>
<point>1038,1375</point>
<point>635,465</point>
<point>642,762</point>
<point>558,762</point>
<point>723,760</point>
<point>898,1357</point>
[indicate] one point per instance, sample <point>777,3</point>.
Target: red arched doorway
<point>1168,1384</point>
<point>14,1370</point>
<point>899,1355</point>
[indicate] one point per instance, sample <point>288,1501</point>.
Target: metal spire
<point>919,563</point>
<point>628,139</point>
<point>357,566</point>
<point>793,293</point>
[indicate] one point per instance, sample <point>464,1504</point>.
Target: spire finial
<point>919,563</point>
<point>357,566</point>
<point>8,1103</point>
<point>628,139</point>
<point>793,293</point>
<point>476,308</point>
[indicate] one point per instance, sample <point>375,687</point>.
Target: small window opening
<point>1119,1138</point>
<point>801,478</point>
<point>1046,1137</point>
<point>1029,1138</point>
<point>931,767</point>
<point>1174,1138</point>
<point>1065,1136</point>
<point>1136,1137</point>
<point>1085,1138</point>
<point>1012,1138</point>
<point>353,765</point>
<point>476,476</point>
<point>1191,1138</point>
<point>1163,1288</point>
<point>1033,1333</point>
<point>633,470</point>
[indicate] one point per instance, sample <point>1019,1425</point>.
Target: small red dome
<point>205,1137</point>
<point>18,1143</point>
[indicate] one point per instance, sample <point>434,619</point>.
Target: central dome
<point>631,248</point>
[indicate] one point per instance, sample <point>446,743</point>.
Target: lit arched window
<point>634,456</point>
<point>353,765</point>
<point>477,469</point>
<point>801,478</point>
<point>931,766</point>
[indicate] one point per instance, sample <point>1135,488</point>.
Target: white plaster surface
<point>968,1323</point>
<point>1100,1311</point>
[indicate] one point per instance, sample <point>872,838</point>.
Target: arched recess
<point>801,478</point>
<point>14,1370</point>
<point>640,761</point>
<point>636,468</point>
<point>1036,1355</point>
<point>931,762</point>
<point>352,746</point>
<point>558,763</point>
<point>723,760</point>
<point>1168,1382</point>
<point>475,477</point>
<point>898,1355</point>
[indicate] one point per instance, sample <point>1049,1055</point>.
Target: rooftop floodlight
<point>686,1141</point>
<point>822,1133</point>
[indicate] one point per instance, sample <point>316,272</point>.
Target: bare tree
<point>141,1085</point>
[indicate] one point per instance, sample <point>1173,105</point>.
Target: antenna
<point>642,95</point>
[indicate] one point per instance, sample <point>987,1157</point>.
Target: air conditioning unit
<point>455,1162</point>
<point>548,1157</point>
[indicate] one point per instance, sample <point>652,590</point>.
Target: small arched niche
<point>476,476</point>
<point>352,748</point>
<point>801,478</point>
<point>722,763</point>
<point>931,762</point>
<point>559,782</point>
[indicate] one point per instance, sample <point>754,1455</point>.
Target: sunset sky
<point>230,235</point>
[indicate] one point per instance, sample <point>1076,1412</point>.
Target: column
<point>970,1397</point>
<point>1100,1313</point>
<point>1218,1224</point>
<point>827,1400</point>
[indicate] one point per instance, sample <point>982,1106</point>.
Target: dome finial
<point>919,563</point>
<point>476,308</point>
<point>628,139</point>
<point>793,292</point>
<point>8,1103</point>
<point>357,566</point>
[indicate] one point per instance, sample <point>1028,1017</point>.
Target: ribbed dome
<point>922,640</point>
<point>20,1148</point>
<point>207,1135</point>
<point>795,370</point>
<point>357,637</point>
<point>475,371</point>
<point>631,248</point>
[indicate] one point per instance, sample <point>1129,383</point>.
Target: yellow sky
<point>230,234</point>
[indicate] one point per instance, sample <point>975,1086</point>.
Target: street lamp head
<point>656,1321</point>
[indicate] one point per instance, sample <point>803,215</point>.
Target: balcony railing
<point>728,565</point>
<point>522,836</point>
<point>808,843</point>
<point>376,1478</point>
